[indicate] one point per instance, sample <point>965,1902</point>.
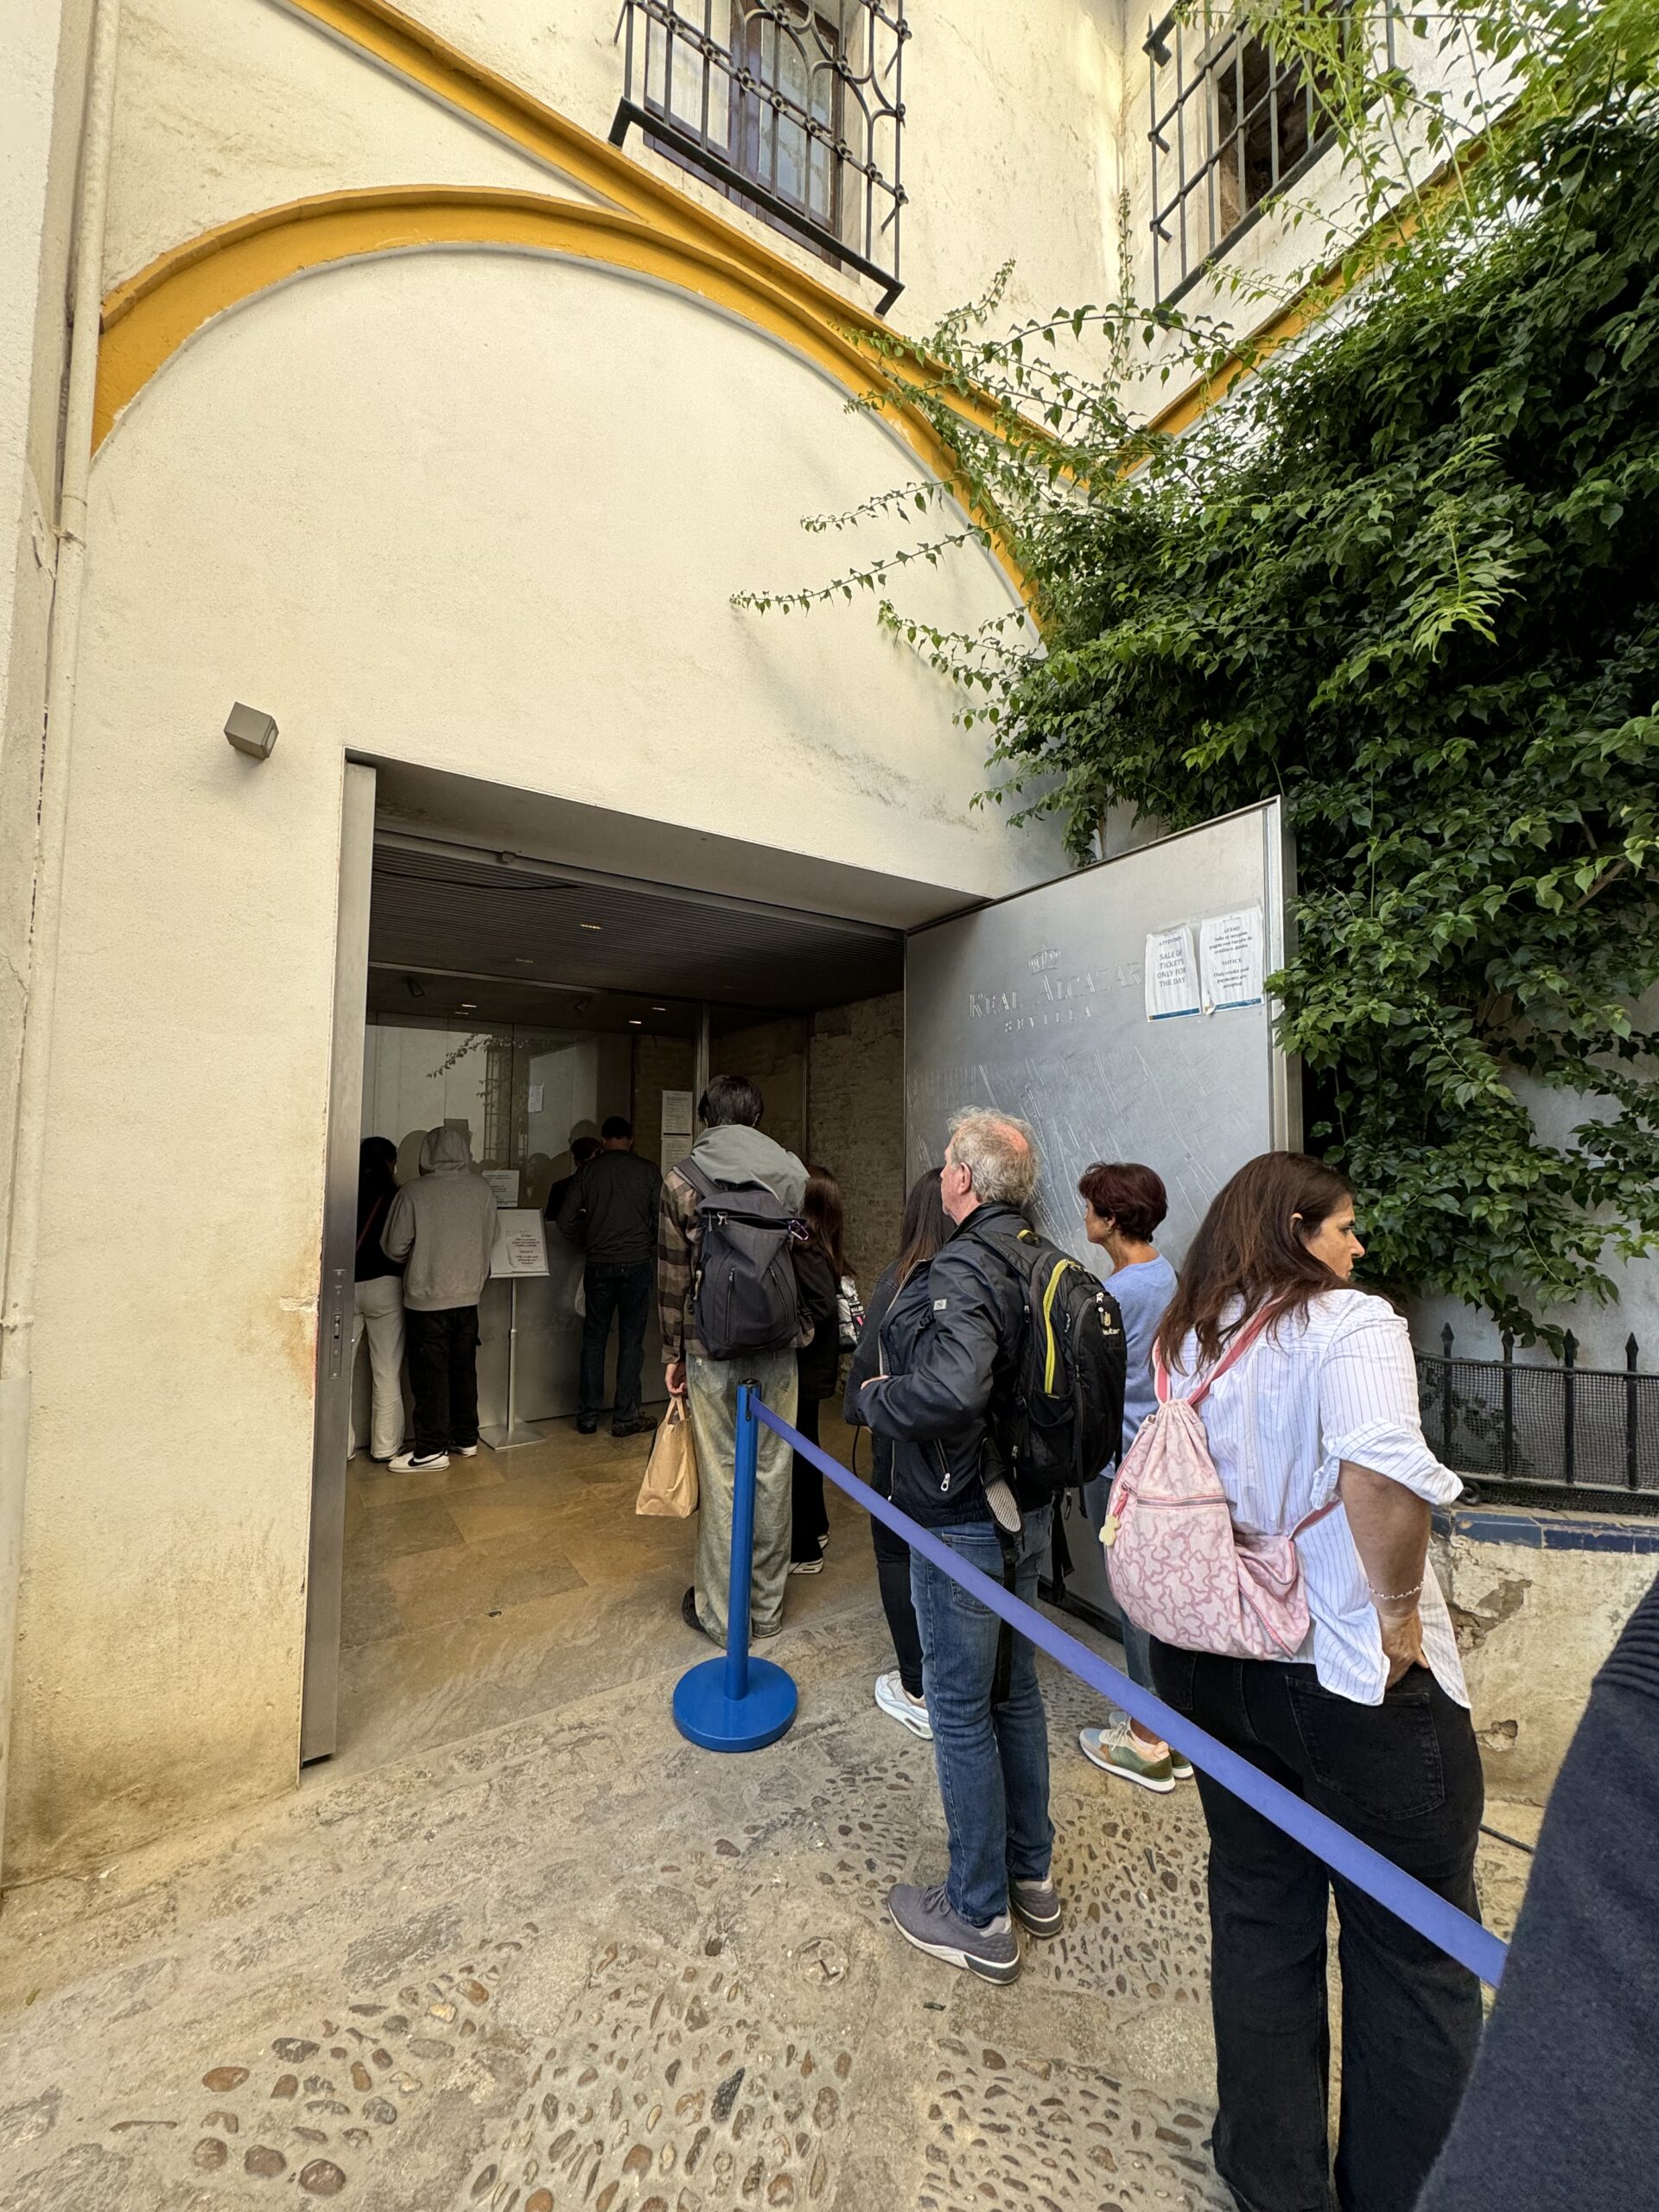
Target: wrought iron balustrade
<point>1591,1431</point>
<point>793,108</point>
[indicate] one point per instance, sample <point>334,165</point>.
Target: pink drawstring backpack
<point>1178,1566</point>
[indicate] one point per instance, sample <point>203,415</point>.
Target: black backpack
<point>744,1293</point>
<point>1066,1420</point>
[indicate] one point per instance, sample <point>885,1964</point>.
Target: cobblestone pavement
<point>572,1962</point>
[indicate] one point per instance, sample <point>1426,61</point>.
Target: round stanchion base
<point>703,1712</point>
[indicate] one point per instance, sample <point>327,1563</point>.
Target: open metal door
<point>332,1440</point>
<point>1039,1004</point>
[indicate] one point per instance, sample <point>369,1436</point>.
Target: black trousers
<point>892,1575</point>
<point>808,1519</point>
<point>622,1290</point>
<point>1405,1776</point>
<point>443,1376</point>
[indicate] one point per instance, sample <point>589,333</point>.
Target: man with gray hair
<point>951,1351</point>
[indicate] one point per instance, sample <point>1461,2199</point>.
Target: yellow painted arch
<point>148,318</point>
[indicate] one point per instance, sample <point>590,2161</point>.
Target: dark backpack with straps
<point>744,1293</point>
<point>1066,1421</point>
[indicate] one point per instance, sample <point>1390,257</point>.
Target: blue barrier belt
<point>1410,1900</point>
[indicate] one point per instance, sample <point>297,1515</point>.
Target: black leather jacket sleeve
<point>948,1388</point>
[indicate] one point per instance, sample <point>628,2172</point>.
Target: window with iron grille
<point>1231,126</point>
<point>793,108</point>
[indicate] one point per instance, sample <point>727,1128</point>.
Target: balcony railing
<point>793,108</point>
<point>1593,1432</point>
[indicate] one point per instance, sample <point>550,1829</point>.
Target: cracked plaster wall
<point>1533,1625</point>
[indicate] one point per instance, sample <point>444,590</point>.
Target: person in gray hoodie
<point>442,1226</point>
<point>732,1149</point>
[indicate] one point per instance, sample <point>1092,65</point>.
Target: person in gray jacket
<point>442,1226</point>
<point>732,1148</point>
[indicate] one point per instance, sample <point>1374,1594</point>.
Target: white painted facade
<point>462,508</point>
<point>475,509</point>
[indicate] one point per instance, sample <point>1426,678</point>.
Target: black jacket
<point>817,1363</point>
<point>375,1193</point>
<point>949,1347</point>
<point>866,1362</point>
<point>610,1210</point>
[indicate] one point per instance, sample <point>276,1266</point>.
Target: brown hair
<point>822,1212</point>
<point>1253,1248</point>
<point>1130,1196</point>
<point>924,1226</point>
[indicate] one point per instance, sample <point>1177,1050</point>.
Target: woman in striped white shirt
<point>1370,1723</point>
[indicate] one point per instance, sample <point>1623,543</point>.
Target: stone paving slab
<point>575,1965</point>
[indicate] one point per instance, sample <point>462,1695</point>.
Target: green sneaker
<point>1114,1750</point>
<point>1179,1765</point>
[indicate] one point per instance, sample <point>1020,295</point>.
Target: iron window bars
<point>793,107</point>
<point>1590,1431</point>
<point>1232,126</point>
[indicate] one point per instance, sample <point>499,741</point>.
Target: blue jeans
<point>993,1762</point>
<point>622,1292</point>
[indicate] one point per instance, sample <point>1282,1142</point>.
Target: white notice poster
<point>503,1181</point>
<point>520,1243</point>
<point>1172,974</point>
<point>1229,959</point>
<point>537,1093</point>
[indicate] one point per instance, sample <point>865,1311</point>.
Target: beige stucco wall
<point>226,106</point>
<point>1010,139</point>
<point>41,84</point>
<point>1534,1624</point>
<point>481,511</point>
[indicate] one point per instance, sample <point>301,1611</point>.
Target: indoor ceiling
<point>451,919</point>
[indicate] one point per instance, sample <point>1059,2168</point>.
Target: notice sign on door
<point>1229,960</point>
<point>1172,974</point>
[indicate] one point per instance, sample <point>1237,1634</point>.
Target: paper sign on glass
<point>1172,974</point>
<point>677,1112</point>
<point>520,1243</point>
<point>537,1093</point>
<point>504,1182</point>
<point>1229,959</point>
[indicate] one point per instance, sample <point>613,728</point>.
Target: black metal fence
<point>1589,1430</point>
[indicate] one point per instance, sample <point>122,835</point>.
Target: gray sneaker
<point>923,1917</point>
<point>1037,1906</point>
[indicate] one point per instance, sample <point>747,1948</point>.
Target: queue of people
<point>1306,1393</point>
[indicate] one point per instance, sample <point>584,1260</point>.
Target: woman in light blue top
<point>1123,1205</point>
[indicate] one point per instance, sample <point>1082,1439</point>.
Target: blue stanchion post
<point>738,1703</point>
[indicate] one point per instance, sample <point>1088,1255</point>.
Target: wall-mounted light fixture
<point>250,731</point>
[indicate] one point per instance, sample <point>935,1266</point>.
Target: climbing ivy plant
<point>1405,576</point>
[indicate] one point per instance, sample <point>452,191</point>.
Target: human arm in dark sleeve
<point>949,1385</point>
<point>400,1228</point>
<point>1559,2113</point>
<point>573,1212</point>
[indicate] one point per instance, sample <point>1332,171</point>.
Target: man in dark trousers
<point>610,1210</point>
<point>949,1352</point>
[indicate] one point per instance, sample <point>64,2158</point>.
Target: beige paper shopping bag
<point>670,1490</point>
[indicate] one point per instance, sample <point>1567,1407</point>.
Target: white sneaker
<point>411,1463</point>
<point>1114,1749</point>
<point>807,1566</point>
<point>898,1704</point>
<point>465,1451</point>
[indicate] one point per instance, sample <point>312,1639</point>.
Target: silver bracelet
<point>1397,1597</point>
